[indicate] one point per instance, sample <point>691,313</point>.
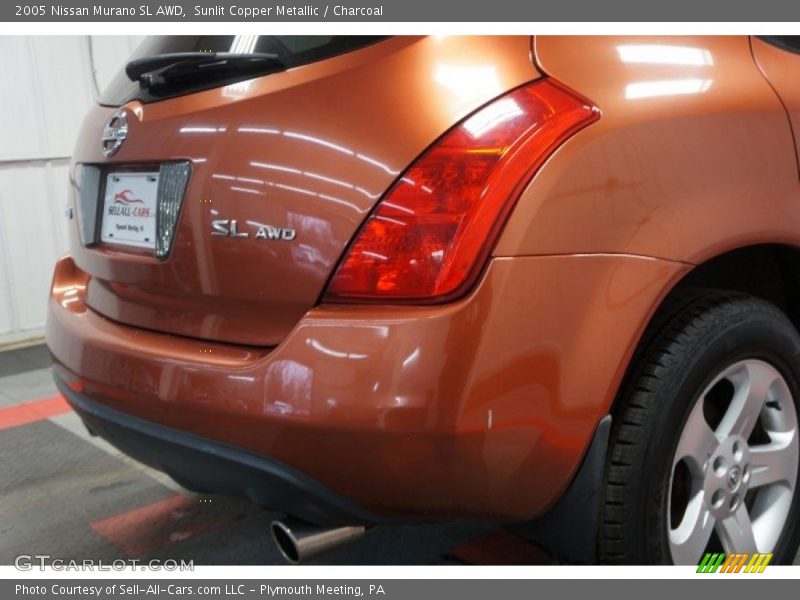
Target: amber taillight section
<point>429,236</point>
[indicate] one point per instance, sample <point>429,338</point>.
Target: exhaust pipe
<point>300,541</point>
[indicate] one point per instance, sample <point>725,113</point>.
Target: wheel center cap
<point>734,478</point>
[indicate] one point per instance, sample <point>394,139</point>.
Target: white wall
<point>46,85</point>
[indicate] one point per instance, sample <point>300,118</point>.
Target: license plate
<point>129,209</point>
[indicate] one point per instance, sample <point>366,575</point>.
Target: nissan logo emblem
<point>115,132</point>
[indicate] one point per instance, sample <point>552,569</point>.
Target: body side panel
<point>782,69</point>
<point>693,154</point>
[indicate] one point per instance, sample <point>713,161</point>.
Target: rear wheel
<point>704,453</point>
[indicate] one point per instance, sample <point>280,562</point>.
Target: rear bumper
<point>203,465</point>
<point>480,409</point>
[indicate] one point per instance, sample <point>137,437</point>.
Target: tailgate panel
<point>309,150</point>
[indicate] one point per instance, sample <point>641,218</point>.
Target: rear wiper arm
<point>155,70</point>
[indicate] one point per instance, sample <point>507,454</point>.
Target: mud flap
<point>569,530</point>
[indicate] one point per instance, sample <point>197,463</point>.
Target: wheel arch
<point>770,271</point>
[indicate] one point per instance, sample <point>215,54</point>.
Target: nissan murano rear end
<point>551,282</point>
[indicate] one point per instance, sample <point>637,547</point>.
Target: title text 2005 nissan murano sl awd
<point>543,281</point>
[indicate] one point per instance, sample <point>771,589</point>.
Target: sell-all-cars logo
<point>126,197</point>
<point>114,133</point>
<point>125,204</point>
<point>741,562</point>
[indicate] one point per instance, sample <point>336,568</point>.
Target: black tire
<point>696,335</point>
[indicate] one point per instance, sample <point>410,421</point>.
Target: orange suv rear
<point>357,280</point>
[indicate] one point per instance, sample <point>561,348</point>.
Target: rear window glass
<point>291,50</point>
<point>787,42</point>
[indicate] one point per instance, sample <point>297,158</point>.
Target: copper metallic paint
<point>481,408</point>
<point>384,104</point>
<point>684,176</point>
<point>459,403</point>
<point>781,68</point>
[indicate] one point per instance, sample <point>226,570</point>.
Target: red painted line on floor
<point>144,529</point>
<point>30,412</point>
<point>501,548</point>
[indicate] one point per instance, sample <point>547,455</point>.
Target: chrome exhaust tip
<point>299,541</point>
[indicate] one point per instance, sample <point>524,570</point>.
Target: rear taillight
<point>428,237</point>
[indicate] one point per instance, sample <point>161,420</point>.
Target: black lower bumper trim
<point>204,465</point>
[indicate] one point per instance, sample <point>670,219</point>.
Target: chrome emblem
<point>230,228</point>
<point>114,133</point>
<point>734,478</point>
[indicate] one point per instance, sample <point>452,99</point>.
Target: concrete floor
<point>73,496</point>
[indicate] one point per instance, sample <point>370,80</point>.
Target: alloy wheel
<point>734,472</point>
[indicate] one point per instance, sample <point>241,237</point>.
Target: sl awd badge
<point>230,228</point>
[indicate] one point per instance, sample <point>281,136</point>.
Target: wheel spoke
<point>689,540</point>
<point>697,441</point>
<point>736,532</point>
<point>774,462</point>
<point>752,385</point>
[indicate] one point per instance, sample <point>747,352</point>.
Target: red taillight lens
<point>430,234</point>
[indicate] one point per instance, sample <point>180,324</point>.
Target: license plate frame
<point>129,207</point>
